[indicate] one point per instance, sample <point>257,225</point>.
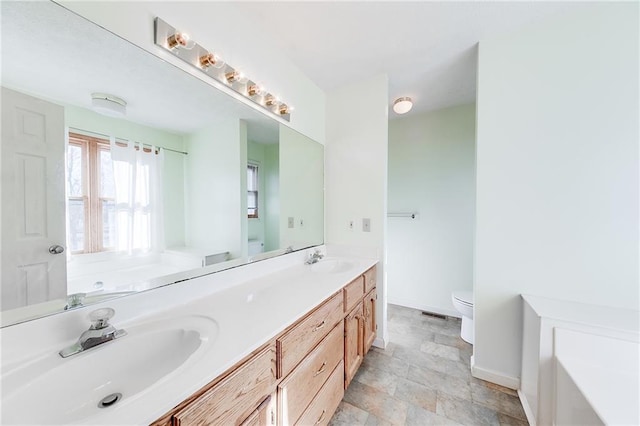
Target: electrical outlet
<point>351,225</point>
<point>290,222</point>
<point>301,223</point>
<point>366,224</point>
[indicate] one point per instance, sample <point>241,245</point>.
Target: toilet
<point>463,302</point>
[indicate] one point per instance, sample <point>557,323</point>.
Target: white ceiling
<point>428,49</point>
<point>53,54</point>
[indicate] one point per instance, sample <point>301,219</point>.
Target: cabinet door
<point>264,415</point>
<point>353,342</point>
<point>369,319</point>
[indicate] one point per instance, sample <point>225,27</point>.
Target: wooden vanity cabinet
<point>302,386</point>
<point>370,326</point>
<point>353,293</point>
<point>370,279</point>
<point>300,377</point>
<point>321,409</point>
<point>353,342</point>
<point>296,343</point>
<point>265,414</point>
<point>234,399</point>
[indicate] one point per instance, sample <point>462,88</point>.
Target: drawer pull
<point>319,326</point>
<point>321,417</point>
<point>321,370</point>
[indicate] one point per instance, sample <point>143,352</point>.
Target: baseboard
<point>420,307</point>
<point>379,343</point>
<point>494,376</point>
<point>531,418</point>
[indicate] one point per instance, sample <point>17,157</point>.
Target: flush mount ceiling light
<point>402,105</point>
<point>109,105</point>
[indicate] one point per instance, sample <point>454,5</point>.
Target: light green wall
<point>174,163</point>
<point>301,189</point>
<point>431,172</point>
<point>272,192</point>
<point>255,154</point>
<point>265,227</point>
<point>214,188</point>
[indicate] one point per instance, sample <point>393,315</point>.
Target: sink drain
<point>109,400</point>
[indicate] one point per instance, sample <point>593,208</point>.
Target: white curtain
<point>139,215</point>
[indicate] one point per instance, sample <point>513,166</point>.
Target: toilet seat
<point>464,297</point>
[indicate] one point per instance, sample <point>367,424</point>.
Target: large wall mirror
<point>97,204</point>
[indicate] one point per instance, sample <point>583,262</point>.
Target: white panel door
<point>32,201</point>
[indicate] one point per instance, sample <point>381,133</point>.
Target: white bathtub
<point>597,380</point>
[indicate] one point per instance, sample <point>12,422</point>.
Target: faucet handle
<point>100,318</point>
<point>75,300</point>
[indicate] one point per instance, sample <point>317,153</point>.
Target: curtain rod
<point>92,133</point>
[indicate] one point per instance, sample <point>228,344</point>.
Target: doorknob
<point>56,249</point>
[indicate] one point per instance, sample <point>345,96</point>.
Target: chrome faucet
<point>75,300</point>
<point>314,258</point>
<point>100,332</point>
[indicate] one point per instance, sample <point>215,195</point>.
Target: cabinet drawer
<point>235,397</point>
<point>370,279</point>
<point>325,403</point>
<point>353,293</point>
<point>299,388</point>
<point>304,336</point>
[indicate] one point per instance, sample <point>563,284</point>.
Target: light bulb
<point>270,100</point>
<point>232,76</point>
<point>180,39</point>
<point>210,60</point>
<point>254,89</point>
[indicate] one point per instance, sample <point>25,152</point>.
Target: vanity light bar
<point>181,46</point>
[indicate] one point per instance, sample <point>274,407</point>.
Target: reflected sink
<point>55,390</point>
<point>331,265</point>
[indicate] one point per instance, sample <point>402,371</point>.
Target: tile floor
<point>423,378</point>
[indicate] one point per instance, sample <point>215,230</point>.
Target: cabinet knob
<point>321,417</point>
<point>322,368</point>
<point>319,326</point>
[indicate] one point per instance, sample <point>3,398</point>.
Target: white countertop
<point>249,312</point>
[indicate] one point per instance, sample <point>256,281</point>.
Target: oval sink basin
<point>55,390</point>
<point>331,265</point>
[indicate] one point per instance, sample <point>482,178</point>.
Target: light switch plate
<point>366,224</point>
<point>290,221</point>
